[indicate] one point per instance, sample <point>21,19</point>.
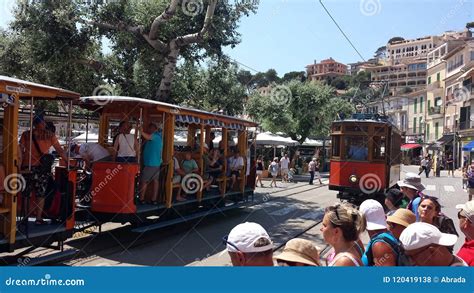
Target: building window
<point>427,132</point>
<point>414,125</point>
<point>438,101</point>
<point>436,130</point>
<point>415,106</point>
<point>438,76</point>
<point>420,126</point>
<point>429,105</point>
<point>429,79</point>
<point>421,104</point>
<point>472,55</point>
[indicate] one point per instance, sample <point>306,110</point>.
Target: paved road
<point>286,212</point>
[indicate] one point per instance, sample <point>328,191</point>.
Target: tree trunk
<point>164,91</point>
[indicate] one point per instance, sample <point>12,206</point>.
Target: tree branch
<point>164,17</point>
<point>198,37</point>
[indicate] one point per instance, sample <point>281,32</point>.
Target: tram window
<point>356,148</point>
<point>336,146</point>
<point>357,128</point>
<point>380,143</point>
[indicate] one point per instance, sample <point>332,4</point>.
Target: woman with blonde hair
<point>342,224</point>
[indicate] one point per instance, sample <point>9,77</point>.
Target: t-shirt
<point>152,150</point>
<point>312,166</point>
<point>126,144</point>
<point>413,206</point>
<point>93,151</point>
<point>273,168</point>
<point>236,163</point>
<point>284,162</point>
<point>189,166</point>
<point>467,252</point>
<point>45,140</point>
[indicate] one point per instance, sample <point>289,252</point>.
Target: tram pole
<point>69,132</point>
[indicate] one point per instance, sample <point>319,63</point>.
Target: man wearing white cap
<point>248,244</point>
<point>425,245</point>
<point>383,248</point>
<point>466,224</point>
<point>411,186</point>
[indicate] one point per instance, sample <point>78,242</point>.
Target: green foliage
<point>307,109</point>
<point>395,39</point>
<point>214,89</point>
<point>294,75</point>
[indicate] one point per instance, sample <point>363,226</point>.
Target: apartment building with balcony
<point>328,68</point>
<point>416,113</point>
<point>460,93</point>
<point>401,78</point>
<point>394,107</point>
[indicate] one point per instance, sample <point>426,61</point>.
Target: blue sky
<point>287,35</point>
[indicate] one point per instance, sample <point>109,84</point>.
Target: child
<point>273,170</point>
<point>291,173</point>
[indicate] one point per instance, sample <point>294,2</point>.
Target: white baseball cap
<point>374,214</point>
<point>248,237</point>
<point>421,234</point>
<point>467,210</point>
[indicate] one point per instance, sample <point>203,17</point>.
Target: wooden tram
<point>366,157</point>
<point>114,184</point>
<point>17,228</point>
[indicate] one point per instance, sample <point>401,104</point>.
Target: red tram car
<point>366,157</point>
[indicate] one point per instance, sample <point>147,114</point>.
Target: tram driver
<point>357,149</point>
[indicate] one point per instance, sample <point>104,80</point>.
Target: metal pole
<point>87,126</point>
<point>69,132</point>
<point>140,124</point>
<point>454,139</point>
<point>31,132</point>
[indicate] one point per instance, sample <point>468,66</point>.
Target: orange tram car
<point>114,187</point>
<point>365,159</point>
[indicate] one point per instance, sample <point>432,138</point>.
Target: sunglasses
<point>225,241</point>
<point>334,209</point>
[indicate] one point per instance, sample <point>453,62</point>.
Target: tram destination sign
<point>18,89</point>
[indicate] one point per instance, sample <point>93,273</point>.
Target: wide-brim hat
<point>300,250</point>
<point>412,181</point>
<point>402,217</point>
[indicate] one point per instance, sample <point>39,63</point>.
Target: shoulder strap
<point>36,144</point>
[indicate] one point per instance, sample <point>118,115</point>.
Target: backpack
<point>386,237</point>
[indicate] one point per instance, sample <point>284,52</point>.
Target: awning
<point>469,147</point>
<point>409,146</point>
<point>436,146</point>
<point>446,139</point>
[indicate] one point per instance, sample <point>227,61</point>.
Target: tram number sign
<point>18,89</point>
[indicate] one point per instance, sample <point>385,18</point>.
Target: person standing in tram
<point>152,161</point>
<point>125,145</point>
<point>42,141</point>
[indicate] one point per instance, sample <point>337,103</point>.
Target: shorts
<point>150,173</point>
<point>39,182</point>
<point>259,172</point>
<point>176,179</point>
<point>236,173</point>
<point>274,174</point>
<point>284,171</point>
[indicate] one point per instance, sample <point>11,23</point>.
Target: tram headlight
<point>353,178</point>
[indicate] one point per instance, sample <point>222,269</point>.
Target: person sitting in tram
<point>189,165</point>
<point>91,153</point>
<point>41,175</point>
<point>214,165</point>
<point>152,161</point>
<point>125,145</point>
<point>358,151</point>
<point>236,164</point>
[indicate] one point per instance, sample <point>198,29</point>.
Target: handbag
<point>46,160</point>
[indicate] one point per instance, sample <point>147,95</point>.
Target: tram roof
<point>101,101</point>
<point>27,89</point>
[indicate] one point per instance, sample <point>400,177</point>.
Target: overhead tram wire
<point>340,29</point>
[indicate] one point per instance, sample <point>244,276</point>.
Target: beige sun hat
<point>300,250</point>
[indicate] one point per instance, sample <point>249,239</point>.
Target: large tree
<point>298,109</point>
<point>143,41</point>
